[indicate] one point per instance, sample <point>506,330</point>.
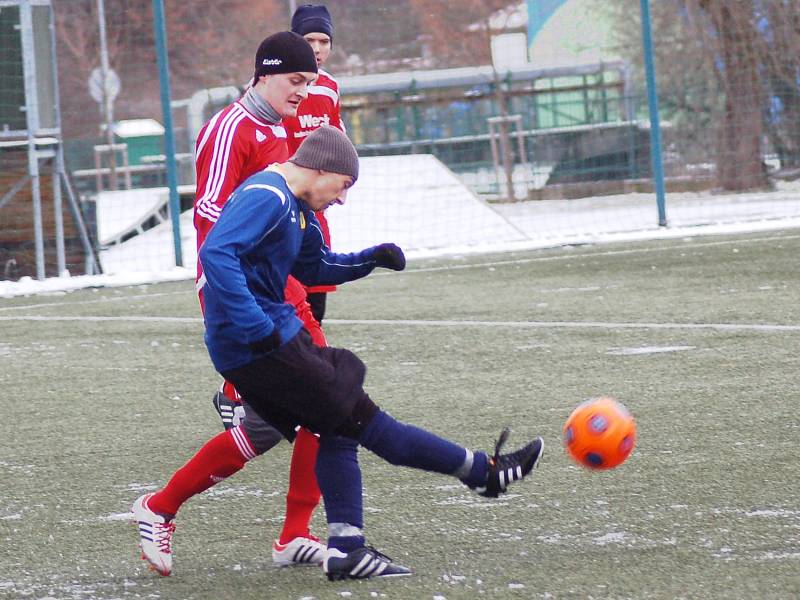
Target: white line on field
<point>569,324</point>
<point>456,323</point>
<point>588,255</point>
<point>94,300</point>
<point>101,318</point>
<point>451,267</point>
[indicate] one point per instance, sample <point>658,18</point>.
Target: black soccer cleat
<point>229,411</point>
<point>362,563</point>
<point>507,468</point>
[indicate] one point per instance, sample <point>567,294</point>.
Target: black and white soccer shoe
<point>229,411</point>
<point>507,468</point>
<point>362,563</point>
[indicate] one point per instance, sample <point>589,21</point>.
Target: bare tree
<point>779,48</point>
<point>209,45</point>
<point>374,37</point>
<point>458,33</point>
<point>739,161</point>
<point>720,66</point>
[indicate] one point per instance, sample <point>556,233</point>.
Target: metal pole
<point>169,140</point>
<point>523,156</point>
<point>292,8</point>
<point>32,124</point>
<point>630,115</point>
<point>495,153</point>
<point>108,102</point>
<point>655,124</point>
<point>91,265</point>
<point>57,163</point>
<point>59,218</point>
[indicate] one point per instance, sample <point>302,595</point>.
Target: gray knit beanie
<point>330,150</point>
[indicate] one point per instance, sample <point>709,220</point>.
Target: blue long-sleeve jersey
<point>263,234</point>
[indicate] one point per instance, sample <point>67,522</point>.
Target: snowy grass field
<point>107,391</point>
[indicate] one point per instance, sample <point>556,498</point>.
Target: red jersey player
<point>240,140</point>
<point>322,107</point>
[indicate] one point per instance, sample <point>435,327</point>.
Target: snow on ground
<point>416,202</point>
<point>118,212</point>
<point>55,285</point>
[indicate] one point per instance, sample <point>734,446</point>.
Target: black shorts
<point>303,384</point>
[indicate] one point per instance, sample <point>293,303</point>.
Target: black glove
<point>267,344</point>
<point>389,256</point>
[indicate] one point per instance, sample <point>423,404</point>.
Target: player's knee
<point>262,437</point>
<point>391,440</point>
<point>359,417</point>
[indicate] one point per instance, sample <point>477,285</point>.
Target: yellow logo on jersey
<point>302,220</point>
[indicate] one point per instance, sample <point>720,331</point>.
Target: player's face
<point>321,43</point>
<point>286,91</point>
<point>326,189</point>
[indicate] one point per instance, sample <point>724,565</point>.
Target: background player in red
<point>240,140</point>
<point>322,107</point>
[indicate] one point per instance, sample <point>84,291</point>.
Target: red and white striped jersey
<point>231,147</point>
<point>321,107</point>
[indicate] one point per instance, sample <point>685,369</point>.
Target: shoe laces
<point>163,536</point>
<point>497,460</point>
<point>378,554</point>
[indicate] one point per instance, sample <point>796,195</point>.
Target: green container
<point>144,138</point>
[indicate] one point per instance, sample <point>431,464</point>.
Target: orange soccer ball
<point>600,433</point>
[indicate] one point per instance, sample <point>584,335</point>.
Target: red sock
<point>220,457</point>
<point>303,496</point>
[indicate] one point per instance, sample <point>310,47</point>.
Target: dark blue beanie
<point>312,18</point>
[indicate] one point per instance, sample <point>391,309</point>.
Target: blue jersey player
<point>266,232</point>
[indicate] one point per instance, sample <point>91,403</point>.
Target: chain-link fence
<point>470,133</point>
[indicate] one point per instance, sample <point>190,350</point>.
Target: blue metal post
<point>655,123</point>
<point>160,29</point>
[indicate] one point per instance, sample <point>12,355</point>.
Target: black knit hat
<point>312,18</point>
<point>284,52</point>
<point>329,150</point>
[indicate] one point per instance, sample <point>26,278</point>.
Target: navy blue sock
<point>478,472</point>
<point>339,479</point>
<point>410,446</point>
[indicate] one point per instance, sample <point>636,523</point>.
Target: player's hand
<point>267,344</point>
<point>389,256</point>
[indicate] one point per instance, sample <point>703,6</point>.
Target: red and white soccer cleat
<point>299,551</point>
<point>155,536</point>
